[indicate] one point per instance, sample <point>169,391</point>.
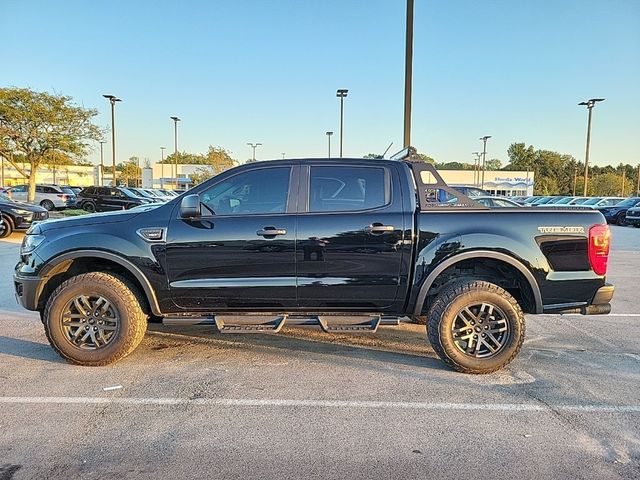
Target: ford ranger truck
<point>344,244</point>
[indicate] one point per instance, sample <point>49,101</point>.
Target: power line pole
<point>408,73</point>
<point>589,104</point>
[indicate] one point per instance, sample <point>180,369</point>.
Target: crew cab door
<point>240,254</point>
<point>350,235</point>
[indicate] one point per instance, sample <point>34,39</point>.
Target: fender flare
<point>130,267</point>
<point>426,285</point>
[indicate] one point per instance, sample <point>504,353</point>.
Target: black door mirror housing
<point>190,206</point>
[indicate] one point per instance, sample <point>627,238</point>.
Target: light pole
<point>329,143</point>
<point>638,183</point>
<point>589,104</point>
<point>102,142</point>
<point>341,94</point>
<point>283,155</point>
<point>113,99</point>
<point>575,179</point>
<point>162,149</point>
<point>253,146</point>
<point>476,167</point>
<point>484,154</point>
<point>175,150</point>
<point>408,73</point>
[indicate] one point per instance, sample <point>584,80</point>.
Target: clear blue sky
<point>267,71</point>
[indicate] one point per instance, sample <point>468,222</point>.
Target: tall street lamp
<point>476,167</point>
<point>329,143</point>
<point>283,155</point>
<point>408,73</point>
<point>175,150</point>
<point>341,94</point>
<point>102,142</point>
<point>484,154</point>
<point>253,146</point>
<point>162,149</point>
<point>589,104</point>
<point>113,99</point>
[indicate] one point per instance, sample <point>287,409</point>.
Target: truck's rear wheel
<point>476,326</point>
<point>94,319</point>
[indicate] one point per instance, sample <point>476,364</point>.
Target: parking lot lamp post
<point>575,179</point>
<point>253,146</point>
<point>175,151</point>
<point>162,149</point>
<point>341,94</point>
<point>624,178</point>
<point>329,143</point>
<point>589,104</point>
<point>102,142</point>
<point>113,99</point>
<point>638,182</point>
<point>476,167</point>
<point>484,154</point>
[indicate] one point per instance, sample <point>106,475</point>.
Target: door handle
<point>379,228</point>
<point>271,232</point>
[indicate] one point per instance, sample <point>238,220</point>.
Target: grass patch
<point>72,212</point>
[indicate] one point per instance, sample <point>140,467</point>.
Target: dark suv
<point>17,215</point>
<point>103,199</point>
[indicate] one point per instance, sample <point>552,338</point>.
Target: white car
<point>47,196</point>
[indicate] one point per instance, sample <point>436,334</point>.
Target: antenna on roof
<point>385,152</point>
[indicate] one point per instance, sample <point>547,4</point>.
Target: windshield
<point>5,197</point>
<point>592,201</point>
<point>67,190</point>
<point>128,192</point>
<point>629,202</point>
<point>564,201</point>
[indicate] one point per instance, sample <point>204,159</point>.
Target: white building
<point>498,182</point>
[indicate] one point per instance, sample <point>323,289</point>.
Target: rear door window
<point>338,188</point>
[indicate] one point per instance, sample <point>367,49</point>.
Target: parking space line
<point>311,403</point>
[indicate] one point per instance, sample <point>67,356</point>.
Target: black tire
<point>6,228</point>
<point>47,205</point>
<point>129,319</point>
<point>89,207</point>
<point>446,313</point>
<point>621,219</point>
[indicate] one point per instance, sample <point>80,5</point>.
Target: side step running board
<point>271,324</point>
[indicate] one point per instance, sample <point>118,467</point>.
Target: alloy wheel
<point>480,330</point>
<point>90,322</point>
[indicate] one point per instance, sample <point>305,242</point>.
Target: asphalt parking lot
<point>189,402</point>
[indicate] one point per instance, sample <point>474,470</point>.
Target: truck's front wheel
<point>94,319</point>
<point>476,326</point>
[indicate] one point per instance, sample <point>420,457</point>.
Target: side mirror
<point>190,206</point>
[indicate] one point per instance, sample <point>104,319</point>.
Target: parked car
<point>595,202</point>
<point>18,215</point>
<point>618,213</point>
<point>103,199</point>
<point>471,191</point>
<point>75,190</point>
<point>496,202</point>
<point>144,193</point>
<point>48,196</point>
<point>633,216</point>
<point>283,237</point>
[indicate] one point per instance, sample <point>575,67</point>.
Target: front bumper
<point>27,290</point>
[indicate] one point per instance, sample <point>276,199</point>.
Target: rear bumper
<point>600,303</point>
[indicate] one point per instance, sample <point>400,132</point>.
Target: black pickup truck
<point>345,244</point>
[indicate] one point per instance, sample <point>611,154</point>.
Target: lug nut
<point>95,329</point>
<point>475,336</point>
<point>483,335</point>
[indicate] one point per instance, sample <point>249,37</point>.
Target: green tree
<point>493,164</point>
<point>38,125</point>
<point>186,158</point>
<point>202,173</point>
<point>219,158</point>
<point>129,172</point>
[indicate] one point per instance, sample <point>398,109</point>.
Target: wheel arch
<point>527,278</point>
<point>80,261</point>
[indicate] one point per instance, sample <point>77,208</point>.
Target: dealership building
<point>496,182</point>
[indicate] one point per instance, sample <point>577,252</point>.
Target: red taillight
<point>63,197</point>
<point>599,242</point>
